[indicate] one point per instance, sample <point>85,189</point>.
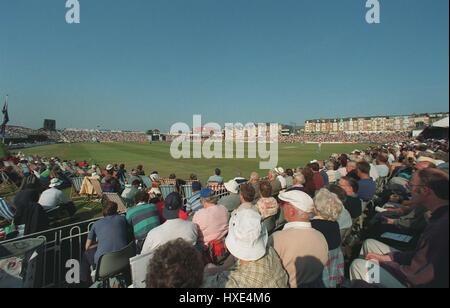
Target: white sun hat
<point>247,237</point>
<point>55,183</point>
<point>232,186</point>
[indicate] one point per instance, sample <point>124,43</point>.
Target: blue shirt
<point>367,189</point>
<point>111,235</point>
<point>216,179</point>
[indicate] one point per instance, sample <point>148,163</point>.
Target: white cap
<point>279,170</point>
<point>109,167</point>
<point>55,183</point>
<point>426,158</point>
<point>232,186</point>
<point>247,237</point>
<point>298,199</point>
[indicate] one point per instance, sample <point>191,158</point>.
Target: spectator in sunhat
<point>232,201</point>
<point>257,265</point>
<point>53,197</point>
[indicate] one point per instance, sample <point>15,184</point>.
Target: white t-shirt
<point>373,172</point>
<point>170,230</point>
<point>51,198</point>
<point>282,181</point>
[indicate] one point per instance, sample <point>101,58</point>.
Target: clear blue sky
<point>143,64</point>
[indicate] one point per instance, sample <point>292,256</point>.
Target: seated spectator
<point>178,182</point>
<point>323,172</point>
<point>310,187</point>
<point>29,212</point>
<point>289,178</point>
<point>275,182</point>
<point>319,182</point>
<point>176,264</point>
<point>257,265</point>
<point>344,219</point>
<point>122,174</point>
<point>143,217</point>
<point>352,170</point>
<point>140,170</point>
<point>109,171</point>
<point>342,169</point>
<point>332,174</point>
<point>212,223</point>
<point>246,197</point>
<point>53,198</point>
<point>130,191</point>
<point>352,202</point>
<point>216,178</point>
<point>328,207</point>
<point>281,177</point>
<point>298,182</point>
<point>233,200</point>
<point>173,228</point>
<point>382,166</point>
<point>266,205</point>
<point>110,185</point>
<point>367,186</point>
<point>427,265</point>
<point>107,235</point>
<point>302,249</point>
<point>193,204</point>
<point>254,180</point>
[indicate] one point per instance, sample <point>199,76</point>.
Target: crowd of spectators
<point>296,227</point>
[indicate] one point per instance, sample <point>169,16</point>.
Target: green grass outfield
<point>157,156</point>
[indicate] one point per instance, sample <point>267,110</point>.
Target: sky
<point>145,64</point>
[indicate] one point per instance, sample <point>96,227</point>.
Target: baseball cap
<point>172,206</point>
<point>206,192</point>
<point>298,199</point>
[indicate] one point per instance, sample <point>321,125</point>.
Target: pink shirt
<point>212,223</point>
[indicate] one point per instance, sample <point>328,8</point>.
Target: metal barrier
<point>61,244</point>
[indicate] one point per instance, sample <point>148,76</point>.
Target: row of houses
<point>383,124</point>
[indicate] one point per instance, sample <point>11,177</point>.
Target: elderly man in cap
<point>257,265</point>
<point>233,200</point>
<point>173,228</point>
<point>302,249</point>
<point>53,198</point>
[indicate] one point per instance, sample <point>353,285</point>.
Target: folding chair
<point>91,187</point>
<point>167,190</point>
<point>115,264</point>
<point>187,191</point>
<point>6,211</point>
<point>121,206</point>
<point>76,186</point>
<point>146,180</point>
<point>169,181</point>
<point>7,186</point>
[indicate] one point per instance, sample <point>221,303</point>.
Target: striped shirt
<point>193,204</point>
<point>5,210</point>
<point>143,218</point>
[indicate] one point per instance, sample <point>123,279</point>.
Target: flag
<point>5,116</point>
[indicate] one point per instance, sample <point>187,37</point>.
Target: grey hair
<point>329,165</point>
<point>328,205</point>
<point>299,178</point>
